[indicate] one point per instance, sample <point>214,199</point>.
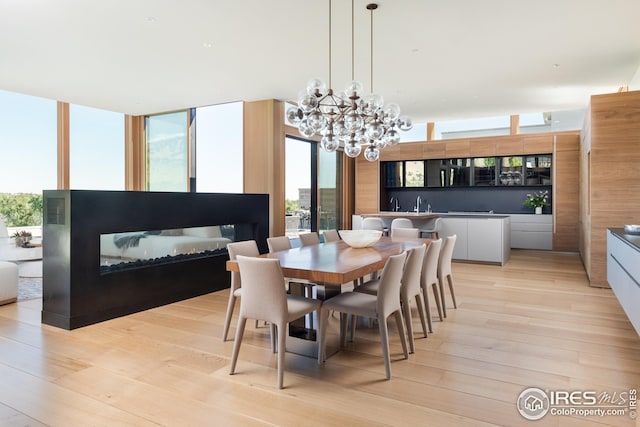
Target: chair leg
<point>403,338</point>
<point>384,341</point>
<point>227,320</point>
<point>406,313</point>
<point>453,295</point>
<point>322,334</point>
<point>274,334</point>
<point>343,329</point>
<point>236,344</point>
<point>422,315</point>
<point>436,296</point>
<point>442,301</point>
<point>425,295</point>
<point>282,337</point>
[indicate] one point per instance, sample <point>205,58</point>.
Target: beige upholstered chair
<point>279,243</point>
<point>245,248</point>
<point>380,307</point>
<point>401,223</point>
<point>429,279</point>
<point>433,228</point>
<point>264,298</point>
<point>444,270</point>
<point>410,289</point>
<point>8,282</point>
<point>309,239</point>
<point>405,233</point>
<point>371,223</point>
<point>331,236</point>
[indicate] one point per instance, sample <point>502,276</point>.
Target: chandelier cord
<point>352,41</point>
<point>372,9</point>
<point>330,43</point>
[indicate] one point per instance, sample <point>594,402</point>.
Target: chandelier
<point>348,119</point>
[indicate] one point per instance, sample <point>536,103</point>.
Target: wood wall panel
<point>434,150</point>
<point>566,193</point>
<point>482,148</point>
<point>538,144</point>
<point>509,146</point>
<point>264,158</point>
<point>458,148</point>
<point>135,154</point>
<point>367,198</point>
<point>614,185</point>
<point>63,145</point>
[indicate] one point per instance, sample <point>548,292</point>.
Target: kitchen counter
<point>628,238</point>
<point>389,214</point>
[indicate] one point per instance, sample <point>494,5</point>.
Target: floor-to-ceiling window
<point>219,139</point>
<point>167,140</point>
<point>96,149</point>
<point>28,148</point>
<point>313,187</point>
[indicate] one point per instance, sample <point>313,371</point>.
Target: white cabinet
<point>623,274</point>
<point>457,226</point>
<point>484,239</point>
<point>532,232</point>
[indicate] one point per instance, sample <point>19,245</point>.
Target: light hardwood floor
<point>533,322</point>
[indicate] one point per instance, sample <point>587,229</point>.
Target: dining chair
<point>331,236</point>
<point>410,289</point>
<point>401,223</point>
<point>380,307</point>
<point>433,228</point>
<point>429,279</point>
<point>264,298</point>
<point>405,233</point>
<point>245,248</point>
<point>444,270</point>
<point>278,243</point>
<point>309,239</point>
<point>372,223</point>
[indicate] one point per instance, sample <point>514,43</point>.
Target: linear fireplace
<point>112,253</point>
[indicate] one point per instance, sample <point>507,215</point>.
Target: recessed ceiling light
<point>556,65</point>
<point>207,44</point>
<point>151,19</point>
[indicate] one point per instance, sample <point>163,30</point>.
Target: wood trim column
<point>515,124</point>
<point>264,157</point>
<point>431,131</point>
<point>63,145</point>
<point>134,153</point>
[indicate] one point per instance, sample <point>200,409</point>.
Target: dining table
<point>329,266</point>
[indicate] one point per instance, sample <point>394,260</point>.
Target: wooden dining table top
<point>337,262</point>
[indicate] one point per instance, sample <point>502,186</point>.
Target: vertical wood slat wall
<point>135,155</point>
<point>368,191</point>
<point>610,155</point>
<point>63,145</point>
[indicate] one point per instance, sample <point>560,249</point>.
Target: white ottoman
<point>8,282</point>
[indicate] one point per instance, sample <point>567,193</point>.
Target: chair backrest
<point>279,243</point>
<point>390,283</point>
<point>401,223</point>
<point>430,265</point>
<point>434,225</point>
<point>412,271</point>
<point>309,239</point>
<point>372,223</point>
<point>331,236</point>
<point>244,248</point>
<point>405,233</point>
<point>263,296</point>
<point>444,264</point>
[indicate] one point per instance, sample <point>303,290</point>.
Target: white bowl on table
<point>360,238</point>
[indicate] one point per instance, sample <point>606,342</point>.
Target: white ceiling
<point>438,59</point>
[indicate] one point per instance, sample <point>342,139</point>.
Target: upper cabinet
<point>465,172</point>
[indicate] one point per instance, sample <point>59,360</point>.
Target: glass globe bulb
<point>372,154</point>
<point>315,87</point>
<point>375,130</point>
<point>391,111</point>
<point>308,103</point>
<point>354,88</point>
<point>340,129</point>
<point>392,137</point>
<point>294,115</point>
<point>317,121</point>
<point>405,123</point>
<point>353,122</point>
<point>329,143</point>
<point>376,102</point>
<point>352,150</point>
<point>306,129</point>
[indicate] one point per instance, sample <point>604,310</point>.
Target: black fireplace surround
<point>76,293</point>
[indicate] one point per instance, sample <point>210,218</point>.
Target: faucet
<point>418,200</point>
<point>396,207</point>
